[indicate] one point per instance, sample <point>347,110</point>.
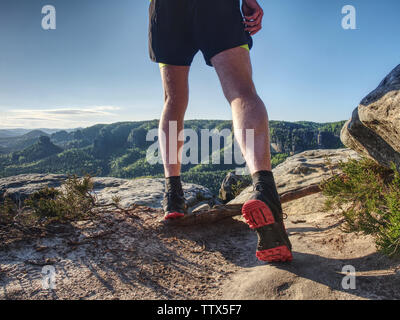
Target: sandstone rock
<point>148,191</point>
<point>302,170</point>
<point>21,186</point>
<point>201,206</point>
<point>380,110</point>
<point>374,129</point>
<point>367,142</point>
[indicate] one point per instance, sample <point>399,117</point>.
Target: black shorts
<point>180,28</point>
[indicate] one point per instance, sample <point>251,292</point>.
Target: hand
<point>253,15</point>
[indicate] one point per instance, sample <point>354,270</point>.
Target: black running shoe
<point>174,205</point>
<point>263,213</point>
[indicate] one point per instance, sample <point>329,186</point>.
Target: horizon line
<point>100,123</point>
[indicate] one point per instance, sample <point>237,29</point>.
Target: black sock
<point>174,184</point>
<point>263,177</point>
<point>264,182</point>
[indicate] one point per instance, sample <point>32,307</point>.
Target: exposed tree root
<point>230,210</point>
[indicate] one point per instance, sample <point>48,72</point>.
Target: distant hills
<point>7,133</point>
<point>42,149</point>
<point>119,149</point>
<point>19,142</point>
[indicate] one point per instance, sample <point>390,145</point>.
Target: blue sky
<point>94,68</point>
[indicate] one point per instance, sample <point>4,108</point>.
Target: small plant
<point>368,195</point>
<point>238,187</point>
<point>74,200</point>
<point>8,210</point>
<point>389,234</point>
<point>44,203</point>
<point>116,199</point>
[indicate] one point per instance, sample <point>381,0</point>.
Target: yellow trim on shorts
<point>245,46</point>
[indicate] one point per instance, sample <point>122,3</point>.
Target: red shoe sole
<point>257,214</point>
<point>278,254</point>
<point>173,215</point>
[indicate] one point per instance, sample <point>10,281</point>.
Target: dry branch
<point>230,210</point>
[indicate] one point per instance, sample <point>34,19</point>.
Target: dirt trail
<point>321,250</point>
<point>134,256</point>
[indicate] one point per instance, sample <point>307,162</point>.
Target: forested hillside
<point>119,149</point>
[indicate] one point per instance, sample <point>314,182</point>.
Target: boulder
<point>374,128</point>
<point>226,192</point>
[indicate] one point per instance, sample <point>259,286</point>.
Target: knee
<point>245,98</point>
<point>244,93</point>
<point>175,102</point>
<point>174,110</point>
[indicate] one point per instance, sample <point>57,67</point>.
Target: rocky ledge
<point>131,255</point>
<point>303,170</point>
<point>147,191</point>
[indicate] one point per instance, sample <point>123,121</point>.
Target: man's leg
<point>176,97</point>
<point>248,110</point>
<point>263,211</point>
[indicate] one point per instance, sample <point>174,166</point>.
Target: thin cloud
<point>102,110</point>
<point>59,117</point>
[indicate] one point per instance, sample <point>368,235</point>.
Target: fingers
<point>255,15</point>
<point>254,22</point>
<point>254,30</point>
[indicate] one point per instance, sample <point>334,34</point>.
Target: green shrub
<point>8,210</point>
<point>238,187</point>
<point>369,197</point>
<point>278,158</point>
<point>209,179</point>
<point>74,200</point>
<point>44,203</point>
